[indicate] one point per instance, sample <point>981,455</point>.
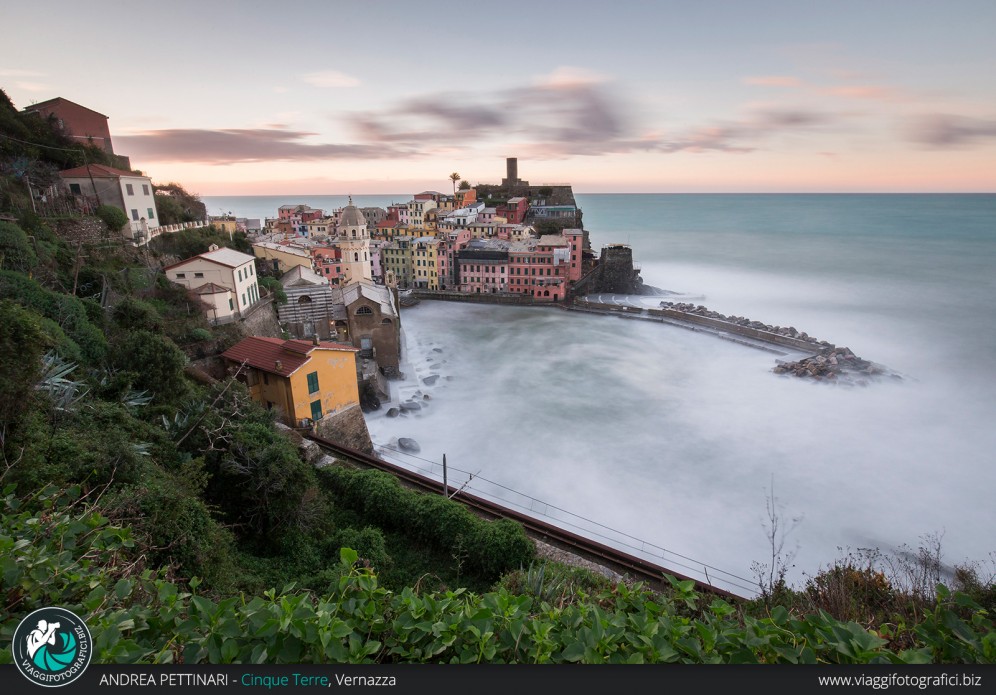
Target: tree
<point>454,177</point>
<point>465,185</point>
<point>176,205</point>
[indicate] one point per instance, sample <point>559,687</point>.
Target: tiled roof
<point>98,171</point>
<point>267,353</point>
<point>51,102</point>
<point>223,256</point>
<point>210,288</point>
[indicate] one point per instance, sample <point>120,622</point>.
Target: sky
<point>335,97</point>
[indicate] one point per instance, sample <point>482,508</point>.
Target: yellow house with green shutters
<point>305,381</point>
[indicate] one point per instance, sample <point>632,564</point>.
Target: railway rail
<point>615,559</point>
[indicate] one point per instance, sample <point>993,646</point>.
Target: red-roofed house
<point>75,121</point>
<point>126,190</point>
<point>306,381</point>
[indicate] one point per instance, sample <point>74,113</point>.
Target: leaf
<point>348,556</point>
<point>573,652</point>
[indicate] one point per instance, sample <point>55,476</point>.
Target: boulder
<point>393,412</point>
<point>409,444</point>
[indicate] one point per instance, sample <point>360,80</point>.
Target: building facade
<point>304,381</point>
<point>220,268</point>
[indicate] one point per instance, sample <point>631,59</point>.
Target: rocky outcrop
<point>348,428</point>
<point>789,332</point>
<point>834,364</point>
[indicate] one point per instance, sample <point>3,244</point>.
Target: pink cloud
<point>773,81</point>
<point>866,91</point>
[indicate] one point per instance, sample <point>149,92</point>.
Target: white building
<point>125,190</point>
<point>209,274</point>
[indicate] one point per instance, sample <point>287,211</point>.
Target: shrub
<point>491,547</point>
<point>15,249</point>
<point>156,362</point>
<point>134,314</point>
<point>113,217</point>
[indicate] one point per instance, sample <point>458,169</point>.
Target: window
<point>244,298</point>
<point>134,215</point>
<point>316,410</point>
<point>364,310</point>
<point>240,275</point>
<point>152,214</point>
<point>231,304</point>
<point>180,275</point>
<point>198,275</point>
<point>313,382</point>
<point>75,189</point>
<point>266,378</point>
<point>130,189</point>
<point>145,188</point>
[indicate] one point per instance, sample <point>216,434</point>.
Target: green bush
<point>67,312</point>
<point>114,218</point>
<point>15,249</point>
<point>200,334</point>
<point>132,314</point>
<point>156,362</point>
<point>53,553</point>
<point>490,547</point>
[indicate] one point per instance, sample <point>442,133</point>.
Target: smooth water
<point>676,438</point>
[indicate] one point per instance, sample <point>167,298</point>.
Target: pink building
<point>575,237</point>
<point>540,267</point>
<point>453,241</point>
<point>483,267</point>
<point>328,263</point>
<point>514,210</point>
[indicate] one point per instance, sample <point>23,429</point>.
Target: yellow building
<point>306,381</point>
<point>281,258</point>
<point>396,257</point>
<point>425,262</point>
<point>227,225</point>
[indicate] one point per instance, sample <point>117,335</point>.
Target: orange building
<point>306,381</point>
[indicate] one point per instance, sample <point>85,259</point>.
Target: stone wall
<point>347,427</point>
<point>89,230</point>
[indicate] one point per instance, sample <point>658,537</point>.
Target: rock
<point>393,412</point>
<point>426,397</point>
<point>410,405</point>
<point>325,461</point>
<point>437,349</point>
<point>430,380</point>
<point>409,444</point>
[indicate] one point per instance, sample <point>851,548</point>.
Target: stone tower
<point>354,245</point>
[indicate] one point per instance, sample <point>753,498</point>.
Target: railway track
<point>615,559</point>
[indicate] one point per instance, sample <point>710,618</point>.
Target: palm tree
<point>454,177</point>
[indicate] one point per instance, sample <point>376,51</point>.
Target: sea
<point>686,449</point>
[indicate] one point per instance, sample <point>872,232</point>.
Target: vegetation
<point>113,217</point>
<point>137,615</point>
<point>175,205</point>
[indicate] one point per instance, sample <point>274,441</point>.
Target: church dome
<point>351,216</point>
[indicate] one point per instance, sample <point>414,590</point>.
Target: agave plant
<point>64,393</point>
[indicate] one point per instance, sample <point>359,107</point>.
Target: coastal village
<point>316,306</point>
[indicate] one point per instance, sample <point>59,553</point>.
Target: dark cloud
<point>243,145</point>
<point>575,118</point>
<point>946,130</point>
<point>560,120</point>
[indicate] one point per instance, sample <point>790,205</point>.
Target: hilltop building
<point>125,190</point>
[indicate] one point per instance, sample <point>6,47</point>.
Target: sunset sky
<point>301,97</point>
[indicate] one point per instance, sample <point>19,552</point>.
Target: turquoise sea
<point>670,443</point>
